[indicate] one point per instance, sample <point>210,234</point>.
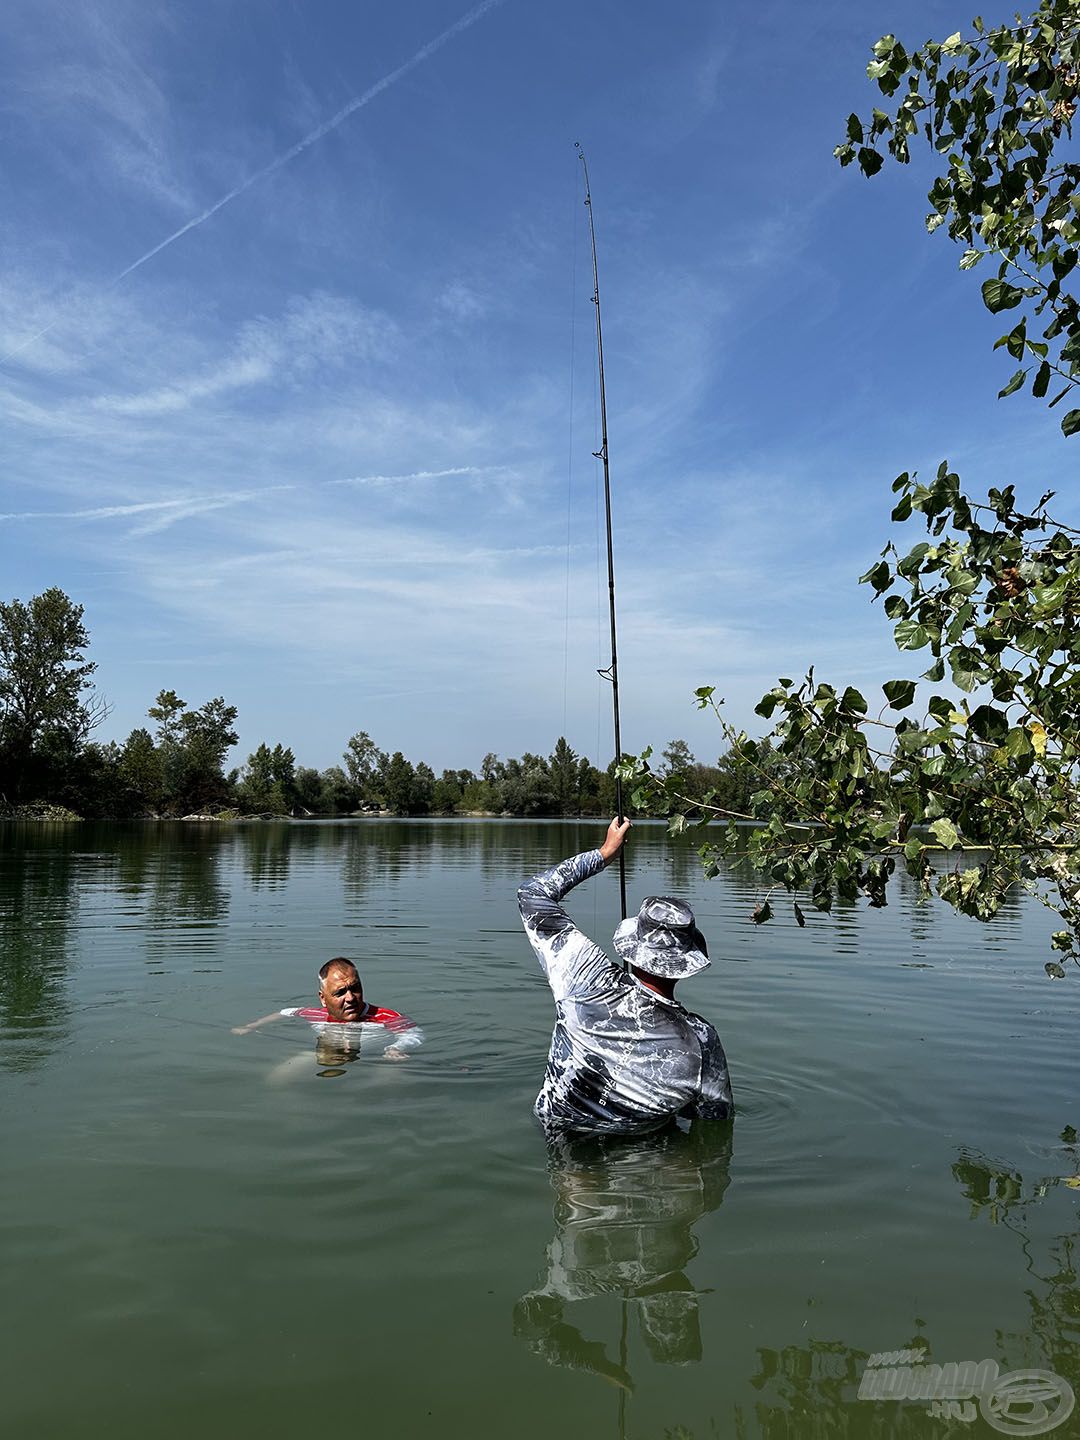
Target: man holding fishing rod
<point>625,1056</point>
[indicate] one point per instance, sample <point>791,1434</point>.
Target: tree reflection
<point>1003,1195</point>
<point>266,851</point>
<point>624,1216</point>
<point>38,892</point>
<point>187,891</point>
<point>810,1391</point>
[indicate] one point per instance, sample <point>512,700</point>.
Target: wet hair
<point>324,970</point>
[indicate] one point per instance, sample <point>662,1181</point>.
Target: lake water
<point>204,1234</point>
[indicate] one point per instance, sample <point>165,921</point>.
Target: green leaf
<point>910,635</point>
<point>1041,382</point>
<point>870,162</point>
<point>762,913</point>
<point>1071,423</point>
<point>988,723</point>
<point>899,693</point>
<point>800,918</point>
<point>1018,743</point>
<point>1014,385</point>
<point>1000,295</point>
<point>879,576</point>
<point>852,700</point>
<point>961,673</point>
<point>677,825</point>
<point>945,833</point>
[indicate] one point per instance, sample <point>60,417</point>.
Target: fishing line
<point>611,672</point>
<point>570,448</point>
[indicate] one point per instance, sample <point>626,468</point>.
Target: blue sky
<point>324,448</point>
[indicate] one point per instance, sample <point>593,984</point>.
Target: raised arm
<point>573,964</point>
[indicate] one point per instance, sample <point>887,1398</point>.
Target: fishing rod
<point>612,672</point>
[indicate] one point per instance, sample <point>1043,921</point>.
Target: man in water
<point>341,1002</point>
<point>625,1056</point>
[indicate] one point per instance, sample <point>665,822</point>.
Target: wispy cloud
<point>164,512</point>
<point>476,471</point>
<point>318,330</point>
<point>314,136</point>
<point>279,161</point>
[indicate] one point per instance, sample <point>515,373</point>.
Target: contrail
<point>357,103</point>
<point>183,503</point>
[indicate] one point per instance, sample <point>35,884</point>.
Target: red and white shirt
<point>403,1033</point>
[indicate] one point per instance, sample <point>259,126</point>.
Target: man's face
<point>342,993</point>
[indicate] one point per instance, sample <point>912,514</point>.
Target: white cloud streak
<point>313,137</point>
<point>420,475</point>
<point>357,103</point>
<point>166,512</point>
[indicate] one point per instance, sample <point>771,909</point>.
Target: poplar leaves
<point>996,107</point>
<point>982,752</point>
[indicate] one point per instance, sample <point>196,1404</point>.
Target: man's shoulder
<point>704,1028</point>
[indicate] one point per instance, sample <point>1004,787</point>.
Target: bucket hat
<point>663,939</point>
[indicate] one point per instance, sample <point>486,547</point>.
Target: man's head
<point>340,990</point>
<point>662,941</point>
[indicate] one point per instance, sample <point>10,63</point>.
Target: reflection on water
<point>38,906</point>
<point>1006,1196</point>
<point>184,890</point>
<point>812,1391</point>
<point>624,1216</point>
<point>266,852</point>
<point>902,1177</point>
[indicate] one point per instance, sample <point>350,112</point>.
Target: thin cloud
<point>167,511</point>
<point>313,137</point>
<point>419,475</point>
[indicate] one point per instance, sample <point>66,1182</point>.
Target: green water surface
<point>204,1234</point>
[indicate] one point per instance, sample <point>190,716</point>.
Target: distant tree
<point>479,797</point>
<point>398,786</point>
<point>267,785</point>
<point>526,786</point>
<point>447,792</point>
<point>208,735</point>
<point>44,684</point>
<point>590,788</point>
<point>607,792</point>
<point>309,789</point>
<point>565,773</point>
<point>193,745</point>
<point>364,762</point>
<point>422,798</point>
<point>339,793</point>
<point>492,768</point>
<point>141,769</point>
<point>677,758</point>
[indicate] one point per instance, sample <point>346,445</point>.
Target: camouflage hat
<point>662,939</point>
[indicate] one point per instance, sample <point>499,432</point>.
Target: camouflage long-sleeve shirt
<point>622,1058</point>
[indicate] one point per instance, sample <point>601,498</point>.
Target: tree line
<point>177,765</point>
